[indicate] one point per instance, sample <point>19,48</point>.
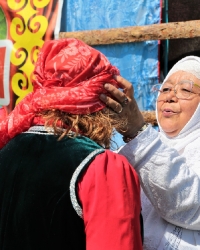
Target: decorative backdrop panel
<point>24,26</point>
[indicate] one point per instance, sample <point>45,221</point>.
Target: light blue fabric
<point>137,62</point>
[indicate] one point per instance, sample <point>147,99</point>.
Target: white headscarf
<point>191,130</point>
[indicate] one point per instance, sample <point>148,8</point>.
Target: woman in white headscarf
<point>168,162</point>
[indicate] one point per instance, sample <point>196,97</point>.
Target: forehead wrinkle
<point>168,81</point>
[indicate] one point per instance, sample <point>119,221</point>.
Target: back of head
<point>74,73</point>
<point>68,78</point>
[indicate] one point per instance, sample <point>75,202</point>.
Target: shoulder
<point>110,164</point>
<point>110,158</point>
<point>111,174</point>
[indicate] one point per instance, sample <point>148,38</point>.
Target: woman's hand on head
<point>124,104</point>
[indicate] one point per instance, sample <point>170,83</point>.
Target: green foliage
<point>3,25</point>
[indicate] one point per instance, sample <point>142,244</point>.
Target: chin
<point>171,132</point>
<point>170,129</point>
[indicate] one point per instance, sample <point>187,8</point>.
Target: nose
<point>171,96</point>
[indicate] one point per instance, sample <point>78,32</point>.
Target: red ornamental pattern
<point>69,75</point>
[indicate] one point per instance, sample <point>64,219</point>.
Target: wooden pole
<point>173,30</point>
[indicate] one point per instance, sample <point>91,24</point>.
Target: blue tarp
<point>137,62</point>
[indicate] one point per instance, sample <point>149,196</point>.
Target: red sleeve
<point>110,195</point>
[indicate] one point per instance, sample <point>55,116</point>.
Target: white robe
<point>170,178</point>
<point>169,170</point>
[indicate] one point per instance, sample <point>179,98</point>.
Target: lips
<point>168,112</point>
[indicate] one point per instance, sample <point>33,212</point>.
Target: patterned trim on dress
<point>40,130</point>
<point>75,175</point>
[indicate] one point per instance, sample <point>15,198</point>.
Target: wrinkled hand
<point>128,110</point>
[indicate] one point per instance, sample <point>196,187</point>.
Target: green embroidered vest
<point>36,211</point>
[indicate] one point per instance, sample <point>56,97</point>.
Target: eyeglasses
<point>182,90</point>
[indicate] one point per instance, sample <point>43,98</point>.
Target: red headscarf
<point>69,75</point>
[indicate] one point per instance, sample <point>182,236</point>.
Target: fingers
<point>111,103</point>
<point>118,99</point>
<point>124,105</point>
<point>125,85</point>
<point>116,93</point>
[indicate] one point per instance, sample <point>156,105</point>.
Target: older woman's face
<point>174,113</point>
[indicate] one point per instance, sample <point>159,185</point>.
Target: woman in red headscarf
<point>60,186</point>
